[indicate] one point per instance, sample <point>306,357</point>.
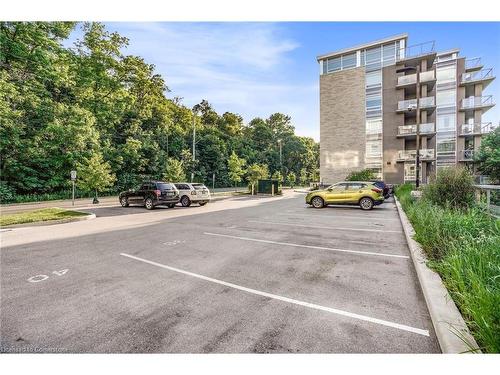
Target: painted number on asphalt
<point>38,278</point>
<point>174,242</point>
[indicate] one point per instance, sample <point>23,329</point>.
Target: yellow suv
<point>364,193</point>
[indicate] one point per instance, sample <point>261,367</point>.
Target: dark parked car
<point>382,185</point>
<point>151,194</point>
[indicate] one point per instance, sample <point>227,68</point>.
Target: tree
<point>95,174</point>
<point>362,175</point>
<point>277,176</point>
<point>257,172</point>
<point>291,179</point>
<point>488,157</point>
<point>175,171</point>
<point>303,177</point>
<point>236,168</point>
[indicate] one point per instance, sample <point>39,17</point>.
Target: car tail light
<point>193,192</point>
<point>158,193</point>
<point>376,190</point>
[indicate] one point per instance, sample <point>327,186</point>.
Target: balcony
<point>410,155</point>
<point>407,80</point>
<point>477,102</point>
<point>476,129</point>
<point>473,64</point>
<point>410,105</point>
<point>410,131</point>
<point>417,52</point>
<point>466,155</point>
<point>484,76</point>
<point>427,102</point>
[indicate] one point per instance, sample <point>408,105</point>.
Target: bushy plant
<point>7,193</point>
<point>453,187</point>
<point>363,175</point>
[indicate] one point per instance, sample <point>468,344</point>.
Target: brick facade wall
<point>342,124</point>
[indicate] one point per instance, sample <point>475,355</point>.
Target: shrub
<point>363,175</point>
<point>454,187</point>
<point>7,193</point>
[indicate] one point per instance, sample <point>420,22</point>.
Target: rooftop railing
<point>473,63</point>
<point>417,50</point>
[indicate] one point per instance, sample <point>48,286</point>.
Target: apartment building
<point>369,109</point>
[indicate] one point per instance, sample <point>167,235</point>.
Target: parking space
<point>274,277</point>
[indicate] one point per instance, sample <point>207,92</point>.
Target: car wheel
<point>124,201</point>
<point>203,203</point>
<point>149,203</point>
<point>185,201</point>
<point>171,205</point>
<point>318,202</point>
<point>366,203</point>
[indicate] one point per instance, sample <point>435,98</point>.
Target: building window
<point>446,74</point>
<point>389,54</point>
<point>333,64</point>
<point>446,122</point>
<point>349,61</point>
<point>373,58</point>
<point>446,98</point>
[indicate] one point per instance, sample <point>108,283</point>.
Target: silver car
<point>192,193</point>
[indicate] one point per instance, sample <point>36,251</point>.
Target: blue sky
<point>256,69</point>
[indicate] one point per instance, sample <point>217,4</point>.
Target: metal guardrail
<point>473,63</point>
<point>466,155</point>
<point>478,75</point>
<point>416,50</point>
<point>412,129</point>
<point>482,128</point>
<point>494,210</point>
<point>477,101</point>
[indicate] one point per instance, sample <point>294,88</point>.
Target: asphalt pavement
<point>268,276</point>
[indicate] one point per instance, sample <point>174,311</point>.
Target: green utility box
<point>266,187</point>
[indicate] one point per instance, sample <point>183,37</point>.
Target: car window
<point>144,187</point>
<point>164,186</point>
<point>356,186</point>
<point>340,186</point>
<point>199,186</point>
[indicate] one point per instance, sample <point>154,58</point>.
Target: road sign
<point>73,175</point>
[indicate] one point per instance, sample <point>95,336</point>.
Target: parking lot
<point>271,277</point>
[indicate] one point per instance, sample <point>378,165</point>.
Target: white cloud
<point>237,67</point>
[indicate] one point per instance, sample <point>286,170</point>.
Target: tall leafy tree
<point>236,168</point>
<point>488,158</point>
<point>95,175</point>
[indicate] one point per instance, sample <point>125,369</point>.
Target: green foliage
<point>291,178</point>
<point>236,168</point>
<point>7,193</point>
<point>304,179</point>
<point>58,104</point>
<point>488,157</point>
<point>175,171</point>
<point>257,172</point>
<point>454,186</point>
<point>277,176</point>
<point>362,175</point>
<point>95,174</point>
<point>462,246</point>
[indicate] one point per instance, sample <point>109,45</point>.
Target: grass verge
<point>463,246</point>
<point>45,214</point>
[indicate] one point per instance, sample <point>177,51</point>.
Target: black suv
<point>151,194</point>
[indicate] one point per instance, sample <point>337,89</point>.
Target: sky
<point>256,69</point>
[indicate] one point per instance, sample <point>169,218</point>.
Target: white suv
<point>192,193</point>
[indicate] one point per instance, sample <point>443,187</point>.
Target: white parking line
<point>327,227</point>
<point>365,318</point>
<point>307,246</point>
<point>291,213</point>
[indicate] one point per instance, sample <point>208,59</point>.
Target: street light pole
<point>194,145</point>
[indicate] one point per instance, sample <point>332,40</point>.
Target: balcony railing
<point>404,105</point>
<point>426,102</point>
<point>407,80</point>
<point>477,102</point>
<point>466,155</point>
<point>412,129</point>
<point>483,128</point>
<point>412,154</point>
<point>473,63</point>
<point>416,50</point>
<point>479,75</point>
<point>427,76</point>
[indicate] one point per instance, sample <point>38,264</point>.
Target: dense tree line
<point>65,108</point>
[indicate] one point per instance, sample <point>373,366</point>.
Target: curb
<point>51,222</point>
<point>452,333</point>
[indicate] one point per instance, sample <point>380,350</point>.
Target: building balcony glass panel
<point>466,155</point>
<point>477,102</point>
<point>473,64</point>
<point>410,155</point>
<point>476,129</point>
<point>485,76</point>
<point>407,80</point>
<point>427,102</point>
<point>418,51</point>
<point>411,130</point>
